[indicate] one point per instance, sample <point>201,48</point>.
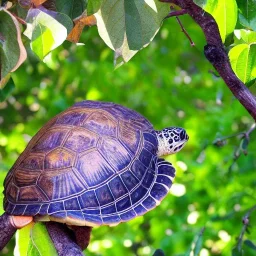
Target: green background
<point>171,84</point>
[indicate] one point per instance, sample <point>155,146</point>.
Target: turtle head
<point>171,140</point>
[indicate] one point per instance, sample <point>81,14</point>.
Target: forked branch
<point>216,54</point>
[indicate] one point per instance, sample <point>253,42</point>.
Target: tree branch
<point>216,54</point>
<point>246,223</point>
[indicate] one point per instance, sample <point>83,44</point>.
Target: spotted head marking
<point>171,140</point>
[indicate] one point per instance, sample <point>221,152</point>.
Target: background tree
<point>170,82</point>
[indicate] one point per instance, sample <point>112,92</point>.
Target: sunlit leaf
<point>225,14</point>
<point>243,61</point>
<point>247,13</point>
<point>128,26</point>
<point>72,8</point>
<point>244,36</point>
<point>46,33</point>
<point>93,6</point>
<point>40,242</point>
<point>12,50</point>
<point>22,237</point>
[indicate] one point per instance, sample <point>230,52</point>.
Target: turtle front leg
<point>8,226</point>
<point>63,239</point>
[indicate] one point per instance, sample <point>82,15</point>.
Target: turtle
<point>96,163</point>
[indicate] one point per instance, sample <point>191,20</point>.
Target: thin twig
<point>185,32</point>
<point>246,223</point>
<point>179,13</point>
<point>176,13</point>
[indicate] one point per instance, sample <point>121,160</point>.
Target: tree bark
<point>216,54</point>
<point>63,239</point>
<point>7,230</point>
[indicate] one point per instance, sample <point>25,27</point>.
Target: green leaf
<point>93,6</point>
<point>198,246</point>
<point>41,241</point>
<point>34,240</point>
<point>250,244</point>
<point>72,8</point>
<point>12,50</point>
<point>128,26</point>
<point>237,252</point>
<point>247,13</point>
<point>225,14</point>
<point>159,252</point>
<point>6,87</point>
<point>46,33</point>
<point>244,36</point>
<point>244,145</point>
<point>243,61</point>
<point>22,240</point>
<point>200,3</point>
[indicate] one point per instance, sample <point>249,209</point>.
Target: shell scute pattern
<point>59,158</point>
<point>149,203</point>
<point>138,194</point>
<point>81,140</point>
<point>104,195</point>
<point>33,162</point>
<point>114,153</point>
<point>72,204</point>
<point>70,185</point>
<point>52,139</point>
<point>117,187</point>
<point>98,173</point>
<point>138,169</point>
<point>26,177</point>
<point>88,200</point>
<point>108,210</point>
<point>123,204</point>
<point>93,164</point>
<point>140,210</point>
<point>148,179</point>
<point>33,208</point>
<point>158,191</point>
<point>101,122</point>
<point>72,118</point>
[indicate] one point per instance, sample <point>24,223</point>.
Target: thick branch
<point>63,239</point>
<point>216,54</point>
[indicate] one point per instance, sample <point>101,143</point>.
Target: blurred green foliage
<point>170,83</point>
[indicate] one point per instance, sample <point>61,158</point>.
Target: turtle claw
<point>20,221</point>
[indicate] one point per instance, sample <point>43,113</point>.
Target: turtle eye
<point>182,135</point>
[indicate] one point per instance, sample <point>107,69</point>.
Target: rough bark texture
<point>7,230</point>
<point>216,54</point>
<point>63,239</point>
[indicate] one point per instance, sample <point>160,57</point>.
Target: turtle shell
<point>93,164</point>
